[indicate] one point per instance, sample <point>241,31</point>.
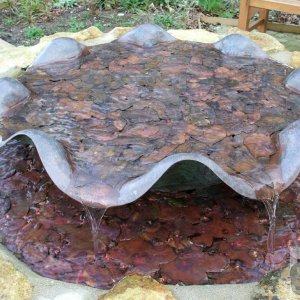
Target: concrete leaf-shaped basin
<point>109,121</point>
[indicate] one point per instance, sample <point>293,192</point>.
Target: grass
<point>9,21</point>
<point>166,13</point>
<point>134,20</point>
<point>64,3</point>
<point>100,26</point>
<point>227,14</point>
<point>134,5</point>
<point>129,23</point>
<point>212,6</point>
<point>75,15</point>
<point>75,25</point>
<point>28,10</point>
<point>34,33</point>
<point>169,20</point>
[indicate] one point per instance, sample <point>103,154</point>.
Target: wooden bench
<point>248,8</point>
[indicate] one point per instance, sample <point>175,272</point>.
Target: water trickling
<point>45,229</point>
<point>95,216</point>
<point>271,205</point>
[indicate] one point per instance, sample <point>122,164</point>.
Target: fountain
<point>169,149</point>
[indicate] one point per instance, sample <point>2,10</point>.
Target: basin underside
<point>213,235</point>
<point>129,113</point>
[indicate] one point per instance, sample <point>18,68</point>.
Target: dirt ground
<point>74,19</point>
<point>14,28</point>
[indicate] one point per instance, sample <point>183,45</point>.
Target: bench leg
<point>244,15</point>
<point>263,15</point>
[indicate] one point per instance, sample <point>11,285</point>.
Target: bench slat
<point>287,6</point>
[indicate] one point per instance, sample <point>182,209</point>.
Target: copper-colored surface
<point>128,108</point>
<point>209,236</point>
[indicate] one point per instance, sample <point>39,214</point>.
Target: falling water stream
<point>102,269</point>
<point>95,216</point>
<point>271,205</point>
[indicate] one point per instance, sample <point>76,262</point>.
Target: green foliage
<point>100,26</point>
<point>93,5</point>
<point>64,3</point>
<point>170,5</point>
<point>27,10</point>
<point>128,22</point>
<point>222,8</point>
<point>227,14</point>
<point>231,9</point>
<point>168,20</point>
<point>212,6</point>
<point>8,4</point>
<point>75,25</point>
<point>108,4</point>
<point>9,21</point>
<point>34,33</point>
<point>134,5</point>
<point>179,5</point>
<point>166,13</point>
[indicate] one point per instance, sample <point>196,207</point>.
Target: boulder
<point>195,35</point>
<point>108,37</point>
<point>284,57</point>
<point>80,36</point>
<point>6,45</point>
<point>276,285</point>
<point>11,58</point>
<point>138,287</point>
<point>16,59</point>
<point>13,284</point>
<point>295,60</point>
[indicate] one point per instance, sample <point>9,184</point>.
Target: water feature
<point>271,207</point>
<point>128,116</point>
<point>94,216</point>
<point>170,235</point>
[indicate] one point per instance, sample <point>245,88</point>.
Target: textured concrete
<point>12,93</point>
<point>146,35</point>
